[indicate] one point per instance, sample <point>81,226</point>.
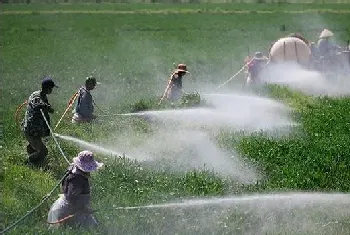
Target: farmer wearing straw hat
<point>174,91</point>
<point>326,47</point>
<point>84,111</point>
<point>72,208</point>
<point>33,124</point>
<point>327,50</point>
<point>255,66</point>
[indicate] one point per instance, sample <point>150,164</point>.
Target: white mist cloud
<point>178,151</point>
<point>182,150</point>
<point>283,213</point>
<point>237,111</point>
<point>307,81</point>
<point>180,143</point>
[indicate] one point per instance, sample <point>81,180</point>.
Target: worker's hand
<point>49,109</point>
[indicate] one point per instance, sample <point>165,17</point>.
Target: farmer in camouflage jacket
<point>34,126</point>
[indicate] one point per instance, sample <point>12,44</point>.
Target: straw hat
<point>85,161</point>
<point>259,56</point>
<point>181,68</point>
<point>326,34</point>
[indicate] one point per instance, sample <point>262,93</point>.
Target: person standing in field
<point>72,208</point>
<point>255,66</point>
<point>34,126</point>
<point>174,90</point>
<point>84,110</point>
<point>326,47</point>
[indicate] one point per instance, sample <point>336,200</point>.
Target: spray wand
<point>239,71</point>
<point>70,103</point>
<point>166,90</point>
<point>94,211</point>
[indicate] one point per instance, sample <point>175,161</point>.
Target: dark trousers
<point>36,149</point>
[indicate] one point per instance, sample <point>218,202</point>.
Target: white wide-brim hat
<point>85,161</point>
<point>326,34</point>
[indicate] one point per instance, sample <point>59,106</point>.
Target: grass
<point>166,7</point>
<point>133,55</point>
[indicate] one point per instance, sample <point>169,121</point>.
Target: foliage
<point>191,100</point>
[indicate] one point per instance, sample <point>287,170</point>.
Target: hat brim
<point>182,70</point>
<point>87,167</point>
<point>260,58</point>
<point>326,34</point>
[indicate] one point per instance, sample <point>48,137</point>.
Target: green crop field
<point>131,49</point>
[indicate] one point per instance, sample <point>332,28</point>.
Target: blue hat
<point>48,82</point>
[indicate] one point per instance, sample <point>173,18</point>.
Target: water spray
<point>123,114</point>
<point>89,145</point>
<point>298,197</point>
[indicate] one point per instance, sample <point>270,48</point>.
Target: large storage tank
<point>290,49</point>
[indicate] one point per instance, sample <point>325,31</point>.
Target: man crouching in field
<point>85,108</point>
<point>73,207</point>
<point>34,126</point>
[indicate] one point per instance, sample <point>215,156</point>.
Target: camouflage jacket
<point>33,123</point>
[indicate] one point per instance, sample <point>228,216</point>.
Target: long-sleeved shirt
<point>85,106</point>
<point>76,189</point>
<point>255,67</point>
<point>176,81</point>
<point>175,89</point>
<point>326,47</point>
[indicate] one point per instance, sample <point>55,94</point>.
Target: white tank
<point>290,49</point>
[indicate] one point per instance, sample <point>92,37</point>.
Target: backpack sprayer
<point>70,104</point>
